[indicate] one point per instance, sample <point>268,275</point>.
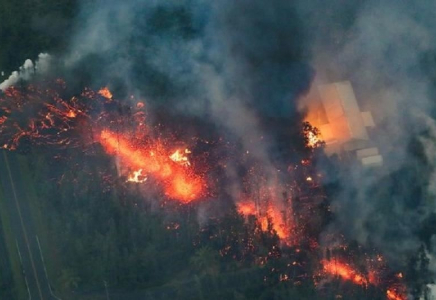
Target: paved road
<point>27,243</point>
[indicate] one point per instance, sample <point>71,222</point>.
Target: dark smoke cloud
<point>387,50</point>
<point>263,53</point>
<point>149,48</point>
<point>241,64</point>
<point>168,48</point>
<point>236,64</point>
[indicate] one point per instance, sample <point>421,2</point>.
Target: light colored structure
<point>343,127</point>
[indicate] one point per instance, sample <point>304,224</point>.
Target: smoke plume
<point>244,63</point>
<point>387,50</point>
<point>26,71</point>
<point>242,66</point>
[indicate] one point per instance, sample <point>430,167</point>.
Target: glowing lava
<point>179,182</point>
<point>40,116</point>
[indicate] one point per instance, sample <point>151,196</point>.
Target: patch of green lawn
<point>14,259</point>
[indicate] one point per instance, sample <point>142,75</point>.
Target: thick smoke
<point>237,64</point>
<point>387,50</point>
<point>26,71</point>
<point>170,49</point>
<point>242,65</point>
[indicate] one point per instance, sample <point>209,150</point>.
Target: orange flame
<point>394,295</point>
<point>179,183</point>
<point>105,92</point>
<point>71,114</point>
<point>273,214</point>
<point>312,139</point>
<point>278,222</point>
<point>246,208</point>
<point>180,157</point>
<point>137,177</point>
<point>344,271</point>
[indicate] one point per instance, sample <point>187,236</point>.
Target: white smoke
<point>432,260</point>
<point>27,70</point>
<point>431,295</point>
<point>432,290</point>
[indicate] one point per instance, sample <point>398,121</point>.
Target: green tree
<point>205,261</point>
<point>69,280</point>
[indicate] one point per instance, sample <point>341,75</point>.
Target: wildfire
<point>58,121</point>
<point>137,177</point>
<point>394,295</point>
<point>180,157</point>
<point>312,136</point>
<point>246,208</point>
<point>179,183</point>
<point>273,215</point>
<point>105,92</point>
<point>278,223</point>
<point>71,114</point>
<point>312,139</point>
<point>344,271</point>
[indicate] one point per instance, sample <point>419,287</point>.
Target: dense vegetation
<point>105,237</point>
<point>103,233</point>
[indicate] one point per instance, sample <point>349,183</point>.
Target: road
<point>27,243</point>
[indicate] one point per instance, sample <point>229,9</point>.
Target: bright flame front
<point>179,182</point>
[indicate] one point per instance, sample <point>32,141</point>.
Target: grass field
<point>19,285</point>
<point>48,248</point>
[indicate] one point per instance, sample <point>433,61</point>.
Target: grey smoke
<point>240,63</point>
<point>235,63</point>
<point>386,49</point>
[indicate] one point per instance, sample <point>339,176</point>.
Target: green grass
<point>14,259</point>
<point>48,246</point>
